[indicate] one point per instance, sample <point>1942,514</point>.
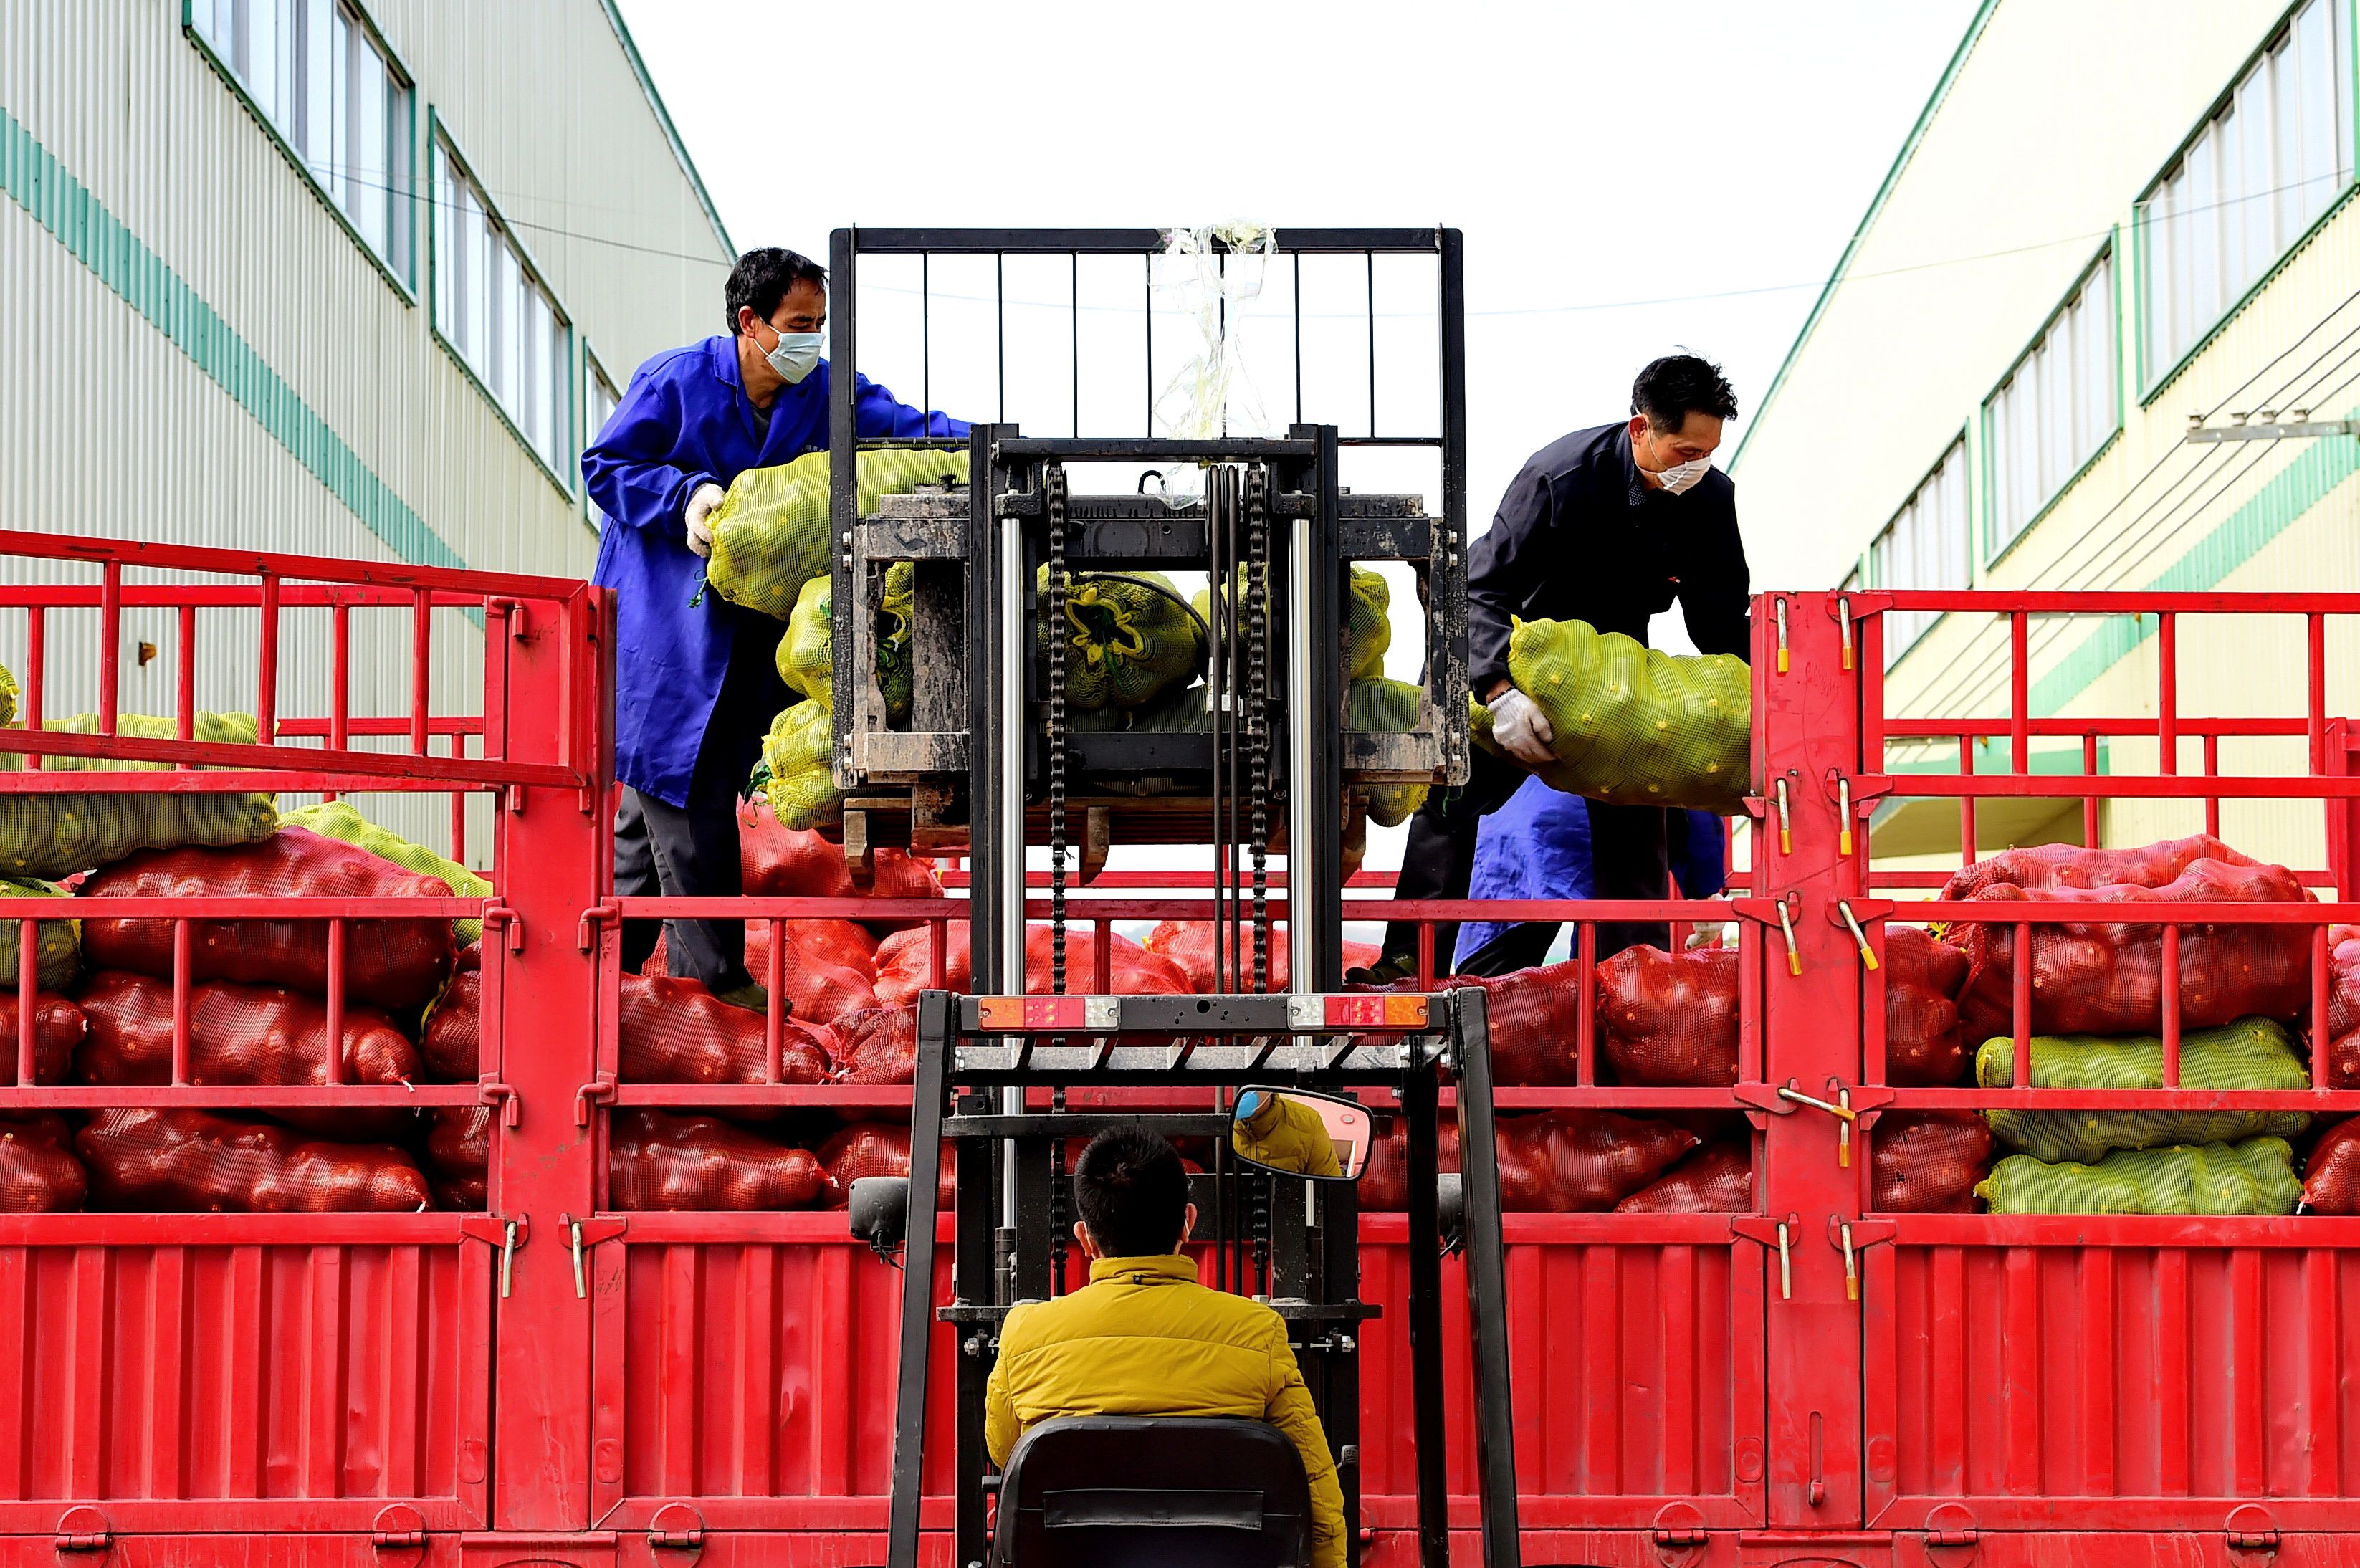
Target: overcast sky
<point>1630,178</point>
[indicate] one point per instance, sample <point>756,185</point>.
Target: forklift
<point>990,761</point>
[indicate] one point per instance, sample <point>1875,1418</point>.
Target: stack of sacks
<point>1579,1162</point>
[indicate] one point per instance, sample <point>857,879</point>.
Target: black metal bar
<point>844,460</point>
<point>935,1046</point>
<point>925,333</point>
<point>1297,265</point>
<point>1370,258</point>
<point>1100,242</point>
<point>1147,326</point>
<point>986,734</point>
<point>1074,328</point>
<point>1424,1241</point>
<point>1087,1123</point>
<point>974,1282</point>
<point>1326,603</point>
<point>999,331</point>
<point>1487,1285</point>
<point>1120,449</point>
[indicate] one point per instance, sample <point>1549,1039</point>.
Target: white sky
<point>1629,180</point>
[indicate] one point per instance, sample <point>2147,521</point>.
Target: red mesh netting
<point>395,964</point>
<point>1580,1161</point>
<point>470,957</point>
<point>245,1035</point>
<point>2344,1007</point>
<point>38,1172</point>
<point>656,1160</point>
<point>781,862</point>
<point>452,1043</point>
<point>1928,1162</point>
<point>179,1161</point>
<point>904,963</point>
<point>676,1031</point>
<point>2330,1177</point>
<point>459,1156</point>
<point>880,1046</point>
<point>882,1149</point>
<point>1923,1043</point>
<point>1384,1182</point>
<point>1132,970</point>
<point>1716,1179</point>
<point>1669,1018</point>
<point>1189,944</point>
<point>58,1027</point>
<point>1533,1015</point>
<point>2101,979</point>
<point>844,943</point>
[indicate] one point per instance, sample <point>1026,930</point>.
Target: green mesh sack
<point>807,651</point>
<point>1634,726</point>
<point>796,774</point>
<point>1173,712</point>
<point>1130,638</point>
<point>7,696</point>
<point>337,820</point>
<point>771,533</point>
<point>2252,1053</point>
<point>1389,707</point>
<point>56,835</point>
<point>56,944</point>
<point>2255,1177</point>
<point>1368,619</point>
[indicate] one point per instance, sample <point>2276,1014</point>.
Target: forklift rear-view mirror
<point>1297,1133</point>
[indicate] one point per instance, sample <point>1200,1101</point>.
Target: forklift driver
<point>1143,1338</point>
<point>1285,1133</point>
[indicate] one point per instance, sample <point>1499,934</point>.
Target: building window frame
<point>439,136</point>
<point>1992,549</point>
<point>1868,573</point>
<point>593,379</point>
<point>406,287</point>
<point>2153,381</point>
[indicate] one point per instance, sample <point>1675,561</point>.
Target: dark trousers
<point>691,851</point>
<point>1627,860</point>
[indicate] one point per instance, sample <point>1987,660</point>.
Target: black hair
<point>1671,389</point>
<point>1133,1192</point>
<point>763,277</point>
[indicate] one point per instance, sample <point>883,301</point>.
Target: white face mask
<point>1682,476</point>
<point>794,356</point>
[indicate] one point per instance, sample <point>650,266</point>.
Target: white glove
<point>701,502</point>
<point>1519,725</point>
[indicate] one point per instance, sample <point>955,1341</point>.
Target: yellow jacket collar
<point>1164,1266</point>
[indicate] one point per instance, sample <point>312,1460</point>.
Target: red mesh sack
<point>58,1027</point>
<point>1669,1019</point>
<point>38,1172</point>
<point>1535,1018</point>
<point>2097,977</point>
<point>1923,1043</point>
<point>394,965</point>
<point>471,957</point>
<point>830,966</point>
<point>905,959</point>
<point>880,1046</point>
<point>1189,944</point>
<point>183,1161</point>
<point>1384,1180</point>
<point>1928,1162</point>
<point>1716,1179</point>
<point>782,863</point>
<point>452,1043</point>
<point>676,1031</point>
<point>244,1035</point>
<point>882,1149</point>
<point>655,1160</point>
<point>1581,1161</point>
<point>2344,1007</point>
<point>2330,1177</point>
<point>459,1156</point>
<point>1132,970</point>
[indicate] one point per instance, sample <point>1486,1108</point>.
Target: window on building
<point>2056,408</point>
<point>319,75</point>
<point>1925,547</point>
<point>2267,163</point>
<point>497,316</point>
<point>601,399</point>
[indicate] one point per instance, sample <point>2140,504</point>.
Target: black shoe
<point>1385,971</point>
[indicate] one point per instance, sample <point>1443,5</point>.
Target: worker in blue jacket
<point>696,684</point>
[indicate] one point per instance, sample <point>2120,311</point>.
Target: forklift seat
<point>1155,1492</point>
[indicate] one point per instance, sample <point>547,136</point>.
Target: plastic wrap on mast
<point>1211,271</point>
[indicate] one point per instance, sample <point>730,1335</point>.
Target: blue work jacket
<point>686,422</point>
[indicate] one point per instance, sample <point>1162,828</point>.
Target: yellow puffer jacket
<point>1286,1134</point>
<point>1145,1339</point>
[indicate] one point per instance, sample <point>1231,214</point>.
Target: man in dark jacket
<point>1610,526</point>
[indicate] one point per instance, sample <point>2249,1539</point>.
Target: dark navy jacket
<point>683,422</point>
<point>1579,537</point>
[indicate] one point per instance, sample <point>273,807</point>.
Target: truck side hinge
<point>676,1528</point>
<point>397,1527</point>
<point>2251,1528</point>
<point>83,1530</point>
<point>1966,1537</point>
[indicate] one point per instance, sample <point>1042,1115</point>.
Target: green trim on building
<point>62,204</point>
<point>1860,232</point>
<point>672,134</point>
<point>2239,537</point>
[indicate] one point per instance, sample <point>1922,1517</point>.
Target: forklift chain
<point>1053,485</point>
<point>1257,698</point>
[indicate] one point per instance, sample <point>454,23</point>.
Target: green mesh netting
<point>796,773</point>
<point>7,696</point>
<point>2255,1177</point>
<point>807,651</point>
<point>1173,711</point>
<point>55,835</point>
<point>771,533</point>
<point>1368,619</point>
<point>338,819</point>
<point>57,950</point>
<point>1390,707</point>
<point>2252,1053</point>
<point>1634,726</point>
<point>1130,638</point>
